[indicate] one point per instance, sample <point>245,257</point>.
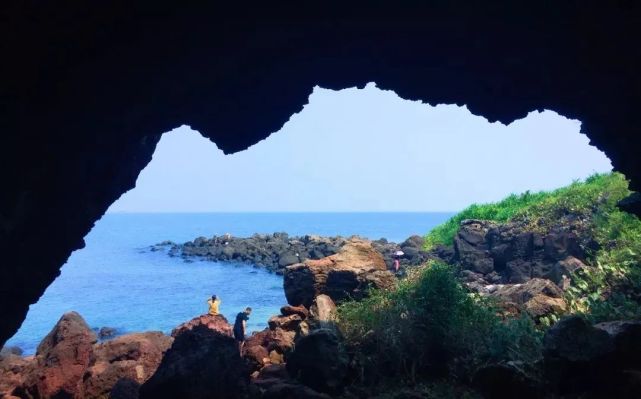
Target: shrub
<point>611,287</point>
<point>431,325</point>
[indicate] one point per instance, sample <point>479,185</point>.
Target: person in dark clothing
<point>240,328</point>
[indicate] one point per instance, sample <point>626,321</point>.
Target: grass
<point>611,288</point>
<point>598,192</point>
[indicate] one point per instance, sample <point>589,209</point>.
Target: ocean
<point>117,281</point>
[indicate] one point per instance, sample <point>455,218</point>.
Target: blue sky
<point>366,150</point>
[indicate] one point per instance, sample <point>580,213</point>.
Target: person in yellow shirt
<point>214,303</point>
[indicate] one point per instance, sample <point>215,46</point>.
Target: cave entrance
<point>352,162</point>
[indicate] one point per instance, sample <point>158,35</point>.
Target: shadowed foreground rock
<point>603,360</point>
<point>201,364</point>
<point>348,274</point>
<point>319,361</point>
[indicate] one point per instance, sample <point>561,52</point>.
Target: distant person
<point>240,328</point>
<point>397,260</point>
<point>214,303</point>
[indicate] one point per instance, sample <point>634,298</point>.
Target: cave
<point>89,89</point>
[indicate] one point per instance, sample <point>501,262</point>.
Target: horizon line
<point>236,212</point>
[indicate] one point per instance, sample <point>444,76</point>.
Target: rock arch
<point>88,90</point>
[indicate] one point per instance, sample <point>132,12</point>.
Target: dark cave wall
<point>88,88</point>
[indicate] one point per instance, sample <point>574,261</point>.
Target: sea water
<point>117,281</point>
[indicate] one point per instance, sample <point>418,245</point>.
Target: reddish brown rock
<point>281,340</point>
<point>259,347</point>
<point>217,323</point>
<point>347,274</point>
<point>285,322</point>
<point>255,350</point>
<point>289,310</point>
<point>133,357</point>
<point>13,370</point>
<point>61,359</point>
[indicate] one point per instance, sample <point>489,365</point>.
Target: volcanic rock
<point>348,274</point>
<point>61,359</point>
<point>323,309</point>
<point>319,361</point>
<point>202,363</point>
<point>285,322</point>
<point>13,370</point>
<point>538,297</point>
<point>133,357</point>
<point>213,322</point>
<point>289,310</point>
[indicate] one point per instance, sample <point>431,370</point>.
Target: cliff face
<point>88,90</point>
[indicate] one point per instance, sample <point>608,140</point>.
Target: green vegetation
<point>597,195</point>
<point>609,289</point>
<point>430,324</point>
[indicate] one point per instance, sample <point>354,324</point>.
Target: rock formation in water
<point>277,251</point>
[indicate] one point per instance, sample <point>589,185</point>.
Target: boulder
<point>285,322</point>
<point>201,363</point>
<point>626,338</point>
<point>470,247</point>
<point>61,359</point>
<point>506,380</point>
<point>255,350</point>
<point>565,267</point>
<point>414,241</point>
<point>10,350</point>
<point>13,370</point>
<point>107,332</point>
<point>133,357</point>
<point>289,310</point>
<point>319,361</point>
<point>539,297</point>
<point>213,322</point>
<point>287,258</point>
<point>575,355</point>
<point>281,340</point>
<point>347,274</point>
<point>323,309</point>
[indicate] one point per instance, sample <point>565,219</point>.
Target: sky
<point>366,150</point>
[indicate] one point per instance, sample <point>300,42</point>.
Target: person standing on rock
<point>214,303</point>
<point>240,327</point>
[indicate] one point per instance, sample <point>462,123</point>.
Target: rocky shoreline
<point>276,251</point>
<point>302,352</point>
<point>295,356</point>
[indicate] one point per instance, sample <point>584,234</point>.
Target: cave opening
<point>353,162</point>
